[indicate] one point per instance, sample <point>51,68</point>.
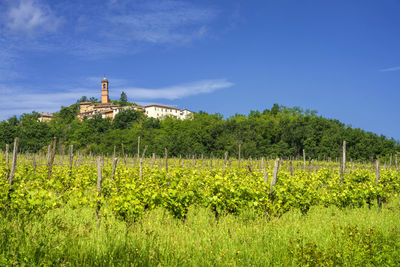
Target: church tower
<point>104,91</point>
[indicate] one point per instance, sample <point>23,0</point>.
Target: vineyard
<point>128,190</point>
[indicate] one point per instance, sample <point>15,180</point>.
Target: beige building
<point>110,110</point>
<point>45,117</point>
<point>160,111</point>
<point>89,109</point>
<point>105,108</point>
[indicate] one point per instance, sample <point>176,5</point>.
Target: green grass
<point>325,236</point>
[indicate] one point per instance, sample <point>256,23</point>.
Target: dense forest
<point>279,131</point>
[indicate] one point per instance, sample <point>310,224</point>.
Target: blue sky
<point>341,58</point>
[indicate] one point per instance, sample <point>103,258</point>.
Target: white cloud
<point>162,22</point>
<point>7,62</point>
<point>179,91</point>
<point>128,26</point>
<point>15,100</point>
<point>29,16</point>
<point>390,69</point>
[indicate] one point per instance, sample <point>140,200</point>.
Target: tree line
<point>279,131</point>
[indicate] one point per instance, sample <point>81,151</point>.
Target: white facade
<point>185,114</point>
<point>159,111</point>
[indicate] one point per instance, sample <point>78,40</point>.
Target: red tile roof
<point>161,106</point>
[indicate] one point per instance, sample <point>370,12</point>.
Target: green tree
<point>123,99</point>
<point>280,131</point>
<point>82,99</point>
<point>67,114</point>
<point>93,99</point>
<point>125,118</point>
<point>8,132</point>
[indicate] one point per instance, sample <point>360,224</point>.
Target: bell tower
<point>104,91</point>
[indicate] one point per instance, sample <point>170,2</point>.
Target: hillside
<point>279,131</point>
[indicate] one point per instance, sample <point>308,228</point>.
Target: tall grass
<point>325,236</point>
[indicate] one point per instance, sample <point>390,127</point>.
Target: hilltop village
<point>110,110</point>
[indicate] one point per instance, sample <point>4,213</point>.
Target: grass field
<point>325,236</point>
<point>204,214</point>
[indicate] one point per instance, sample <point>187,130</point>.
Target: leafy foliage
<point>281,131</point>
<point>61,210</point>
<point>123,99</point>
<point>224,191</point>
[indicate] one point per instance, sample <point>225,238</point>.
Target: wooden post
<point>266,178</point>
<point>153,161</point>
<point>48,154</point>
<point>344,156</point>
<point>275,173</point>
<point>99,181</point>
<point>99,174</point>
<point>225,159</point>
<point>71,156</point>
<point>274,180</point>
<point>262,165</point>
<point>7,156</point>
<point>239,154</point>
<point>291,168</point>
<point>265,173</point>
<point>14,161</point>
<point>166,159</point>
<point>343,168</point>
<point>378,177</point>
<point>304,159</point>
<point>7,161</point>
<point>395,162</point>
<point>141,163</point>
<point>138,148</point>
<point>114,165</point>
<point>141,169</point>
<point>114,152</point>
<point>250,165</point>
<point>53,154</point>
<point>33,161</point>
